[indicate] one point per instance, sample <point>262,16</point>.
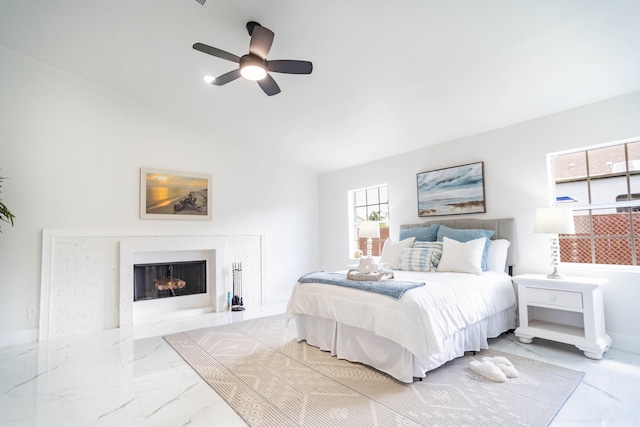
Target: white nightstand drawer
<point>551,297</point>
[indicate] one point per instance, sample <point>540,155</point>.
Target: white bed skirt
<point>359,345</point>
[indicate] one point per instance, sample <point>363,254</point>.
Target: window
<point>602,186</point>
<point>368,204</point>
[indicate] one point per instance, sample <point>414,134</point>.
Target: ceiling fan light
<point>253,72</point>
<point>209,79</point>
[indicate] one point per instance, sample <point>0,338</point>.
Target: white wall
<point>515,182</point>
<point>73,153</point>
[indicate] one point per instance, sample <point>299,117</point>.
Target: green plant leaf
<point>5,213</point>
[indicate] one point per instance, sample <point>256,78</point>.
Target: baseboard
<point>18,337</point>
<point>625,343</point>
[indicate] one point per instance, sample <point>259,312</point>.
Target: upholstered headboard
<point>505,228</point>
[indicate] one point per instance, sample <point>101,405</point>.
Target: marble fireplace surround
<point>87,277</point>
<point>132,249</point>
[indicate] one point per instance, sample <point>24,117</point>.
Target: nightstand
<point>568,310</point>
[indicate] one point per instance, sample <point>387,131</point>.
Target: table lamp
<point>370,230</point>
<point>554,221</point>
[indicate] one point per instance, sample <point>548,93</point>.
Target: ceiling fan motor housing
<point>251,59</point>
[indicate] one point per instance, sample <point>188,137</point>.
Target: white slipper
<point>488,370</point>
<point>504,365</point>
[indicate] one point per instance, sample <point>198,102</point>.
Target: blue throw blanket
<point>392,288</point>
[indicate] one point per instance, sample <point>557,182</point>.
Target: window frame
<point>590,207</point>
<point>353,217</point>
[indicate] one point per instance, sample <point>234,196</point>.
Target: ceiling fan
<point>254,65</point>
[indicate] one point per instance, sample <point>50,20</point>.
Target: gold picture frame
<point>166,194</point>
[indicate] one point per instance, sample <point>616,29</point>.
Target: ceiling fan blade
<point>226,78</point>
<point>216,52</point>
<point>269,86</point>
<point>290,66</point>
<point>261,40</point>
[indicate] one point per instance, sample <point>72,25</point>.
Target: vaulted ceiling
<point>388,77</point>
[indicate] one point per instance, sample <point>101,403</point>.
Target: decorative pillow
<point>412,259</point>
<point>422,234</point>
<point>497,255</point>
<point>462,257</point>
<point>464,235</point>
<point>435,247</point>
<point>391,251</point>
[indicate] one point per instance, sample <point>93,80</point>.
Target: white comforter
<point>419,321</point>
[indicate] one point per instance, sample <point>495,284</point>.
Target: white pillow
<point>497,255</point>
<point>462,257</point>
<point>391,251</point>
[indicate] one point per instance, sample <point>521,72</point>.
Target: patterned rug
<point>271,380</point>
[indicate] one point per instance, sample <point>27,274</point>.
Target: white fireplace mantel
<point>87,277</point>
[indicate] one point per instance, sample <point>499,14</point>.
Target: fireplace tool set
<point>236,301</point>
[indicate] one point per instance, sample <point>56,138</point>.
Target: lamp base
<point>555,258</point>
<point>554,274</point>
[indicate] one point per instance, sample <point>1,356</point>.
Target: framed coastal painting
<point>174,195</point>
<point>451,191</point>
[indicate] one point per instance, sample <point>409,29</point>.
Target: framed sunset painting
<point>451,191</point>
<point>174,195</point>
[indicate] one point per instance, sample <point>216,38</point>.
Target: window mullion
<point>592,239</point>
<point>586,155</point>
<point>628,172</point>
<point>612,205</point>
<point>632,239</point>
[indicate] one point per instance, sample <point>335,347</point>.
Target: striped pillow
<point>436,247</point>
<point>419,259</point>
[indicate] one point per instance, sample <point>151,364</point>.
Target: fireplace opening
<point>171,279</point>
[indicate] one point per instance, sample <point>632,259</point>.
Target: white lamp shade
<point>554,221</point>
<point>369,229</point>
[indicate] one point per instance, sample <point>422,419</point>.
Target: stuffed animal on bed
<point>367,265</point>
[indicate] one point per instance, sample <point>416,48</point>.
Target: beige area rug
<point>271,380</point>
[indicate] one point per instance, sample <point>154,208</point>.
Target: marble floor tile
<point>134,378</point>
<point>609,393</point>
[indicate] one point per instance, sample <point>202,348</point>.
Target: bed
<point>462,303</point>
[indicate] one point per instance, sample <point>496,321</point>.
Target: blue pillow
<point>465,235</point>
<point>422,234</point>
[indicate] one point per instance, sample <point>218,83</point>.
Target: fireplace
<point>168,280</point>
<point>167,283</point>
<point>88,277</point>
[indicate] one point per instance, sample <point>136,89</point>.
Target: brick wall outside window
<point>611,242</point>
